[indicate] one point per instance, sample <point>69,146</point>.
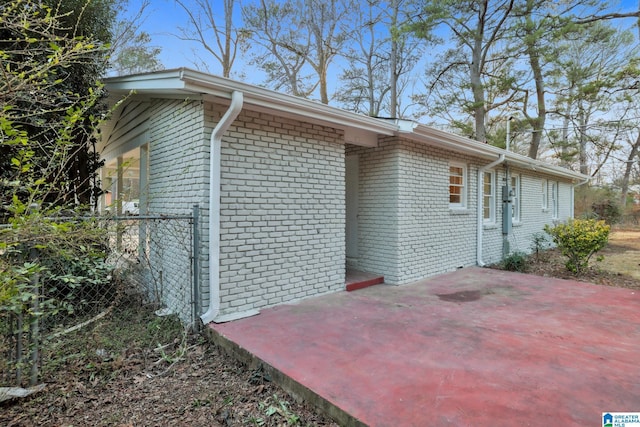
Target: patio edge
<point>298,391</point>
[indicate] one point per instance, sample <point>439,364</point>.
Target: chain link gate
<point>159,255</point>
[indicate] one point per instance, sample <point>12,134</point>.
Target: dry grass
<point>622,255</point>
<point>616,265</point>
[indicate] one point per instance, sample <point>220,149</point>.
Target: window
<point>489,201</point>
<point>123,178</point>
<point>515,199</point>
<point>457,185</point>
<point>545,196</point>
<point>554,200</point>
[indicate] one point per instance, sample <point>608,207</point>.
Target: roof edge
<point>454,142</point>
<point>185,81</point>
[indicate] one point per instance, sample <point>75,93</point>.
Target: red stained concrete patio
<point>476,347</point>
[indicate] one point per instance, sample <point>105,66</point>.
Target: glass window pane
<point>457,185</point>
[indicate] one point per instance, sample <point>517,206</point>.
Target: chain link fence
<point>157,256</point>
<point>152,260</point>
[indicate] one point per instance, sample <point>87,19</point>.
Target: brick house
<point>302,190</point>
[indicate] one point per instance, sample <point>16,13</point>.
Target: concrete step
<point>359,280</point>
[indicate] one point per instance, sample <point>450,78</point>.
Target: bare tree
<point>379,56</point>
<point>632,158</point>
<point>592,75</point>
<point>267,24</point>
<point>365,78</point>
<point>324,22</point>
<point>215,34</point>
<point>303,34</point>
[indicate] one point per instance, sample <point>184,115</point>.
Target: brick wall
<point>533,217</point>
<point>407,231</point>
<point>179,157</point>
<point>378,209</point>
<point>435,238</point>
<point>282,211</point>
<point>178,179</point>
<point>283,197</point>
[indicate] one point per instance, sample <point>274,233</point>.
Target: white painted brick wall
<point>533,218</point>
<point>407,230</point>
<point>179,169</point>
<point>282,205</point>
<point>178,179</point>
<point>434,238</point>
<point>378,209</point>
<point>282,212</point>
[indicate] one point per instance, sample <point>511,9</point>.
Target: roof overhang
<point>358,129</point>
<point>438,138</point>
<point>187,83</point>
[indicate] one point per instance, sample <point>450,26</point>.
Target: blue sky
<point>164,16</point>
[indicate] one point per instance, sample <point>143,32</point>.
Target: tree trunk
<point>538,123</point>
<point>635,149</point>
<point>564,149</point>
<point>228,23</point>
<point>478,89</point>
<point>582,141</point>
<point>393,61</point>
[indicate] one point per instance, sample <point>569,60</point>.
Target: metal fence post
<point>34,327</point>
<point>195,252</point>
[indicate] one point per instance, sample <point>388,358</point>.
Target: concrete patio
<point>475,347</point>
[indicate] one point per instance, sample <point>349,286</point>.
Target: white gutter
<point>184,82</point>
<point>435,137</point>
<point>480,188</point>
<point>214,205</point>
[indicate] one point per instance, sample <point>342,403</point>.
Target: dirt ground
<point>133,370</point>
<point>619,266</point>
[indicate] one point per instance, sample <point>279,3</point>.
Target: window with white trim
<point>457,185</point>
<point>545,195</point>
<point>554,200</point>
<point>489,197</point>
<point>515,198</point>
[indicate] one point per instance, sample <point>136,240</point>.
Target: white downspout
<point>480,188</point>
<point>214,205</point>
<point>572,208</point>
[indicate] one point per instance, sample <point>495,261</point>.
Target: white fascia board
<point>182,82</point>
<point>156,82</point>
<point>359,129</point>
<point>185,81</point>
<point>287,105</point>
<point>461,144</point>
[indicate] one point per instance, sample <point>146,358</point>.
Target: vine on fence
<point>49,270</point>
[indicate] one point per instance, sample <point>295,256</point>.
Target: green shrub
<point>540,242</point>
<point>578,240</point>
<point>51,270</point>
<point>516,261</point>
<point>70,257</point>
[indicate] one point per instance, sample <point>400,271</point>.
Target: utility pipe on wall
<point>480,204</point>
<point>230,115</point>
